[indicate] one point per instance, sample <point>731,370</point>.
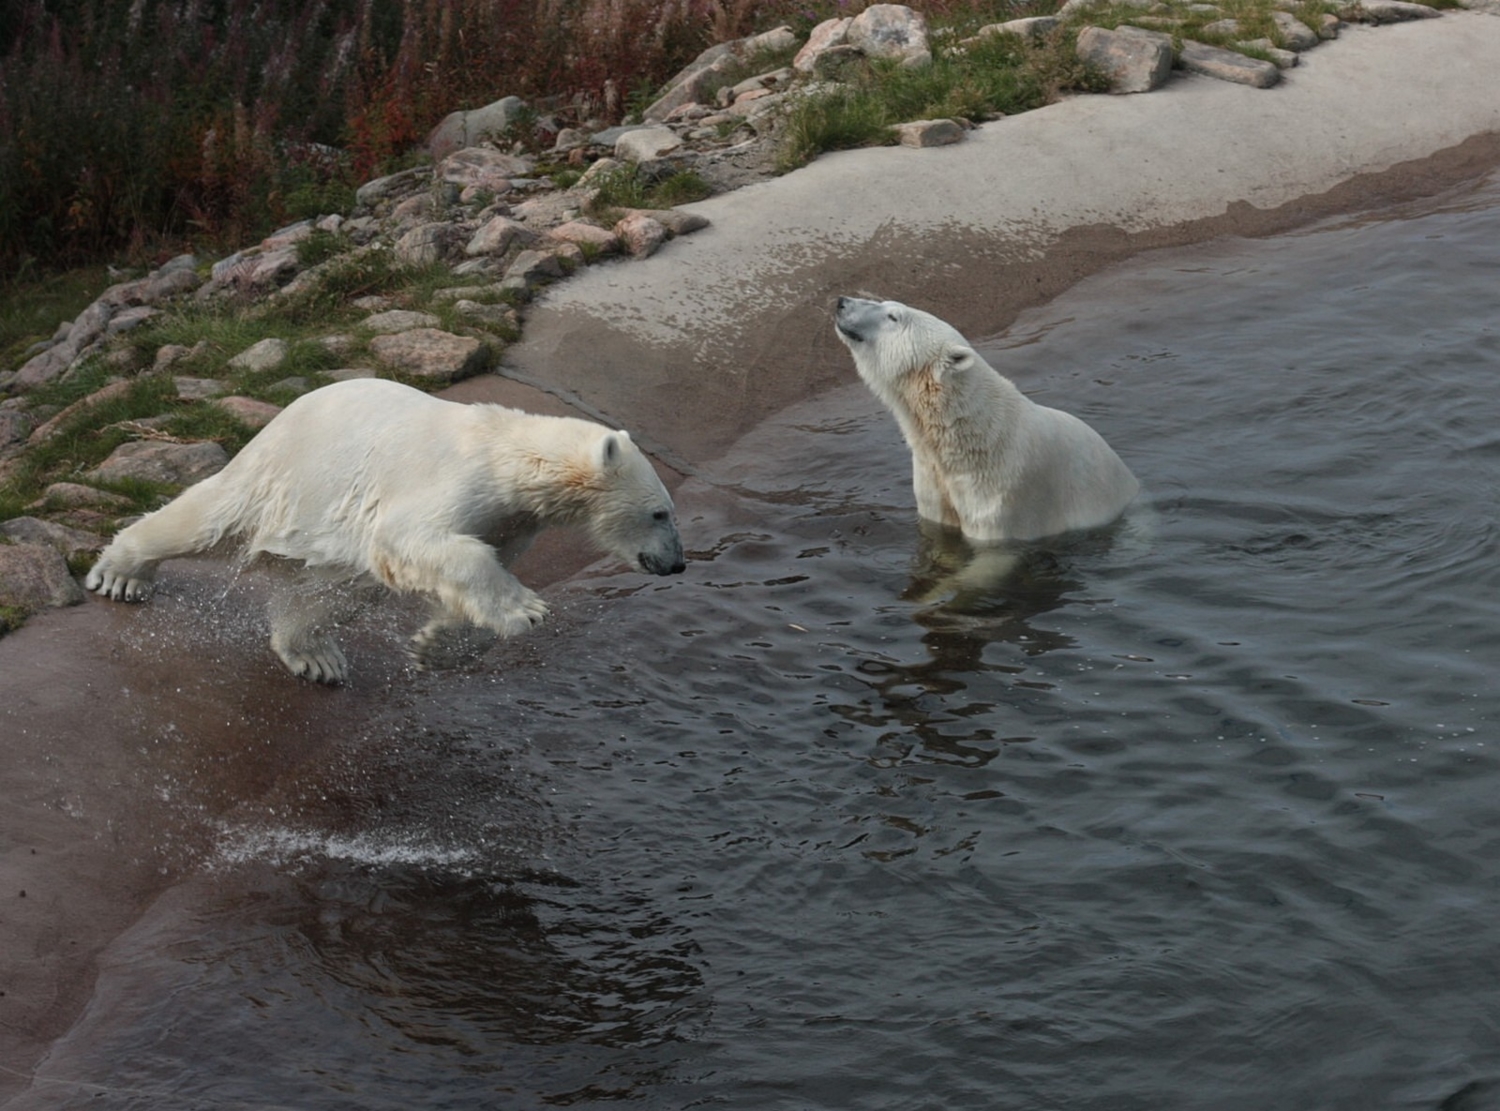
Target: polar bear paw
<point>527,612</point>
<point>317,657</point>
<point>441,646</point>
<point>109,583</point>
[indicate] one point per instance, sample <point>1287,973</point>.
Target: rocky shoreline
<point>483,212</point>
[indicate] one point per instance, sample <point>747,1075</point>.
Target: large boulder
<point>469,128</point>
<point>34,576</point>
<point>711,68</point>
<point>824,37</point>
<point>432,354</point>
<point>161,461</point>
<point>1135,59</point>
<point>483,168</point>
<point>891,31</point>
<point>1228,65</point>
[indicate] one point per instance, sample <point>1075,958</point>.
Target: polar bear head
<point>630,513</point>
<point>890,340</point>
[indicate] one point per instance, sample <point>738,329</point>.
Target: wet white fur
<point>985,459</point>
<point>371,482</point>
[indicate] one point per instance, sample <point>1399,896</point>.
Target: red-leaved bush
<point>135,127</point>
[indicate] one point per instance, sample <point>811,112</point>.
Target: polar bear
<point>369,483</point>
<point>985,459</point>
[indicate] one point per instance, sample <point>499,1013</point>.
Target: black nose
<point>842,302</point>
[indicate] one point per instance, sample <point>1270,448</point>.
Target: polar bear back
<point>369,456</point>
<point>1065,477</point>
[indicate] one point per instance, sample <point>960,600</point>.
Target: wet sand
<point>659,347</point>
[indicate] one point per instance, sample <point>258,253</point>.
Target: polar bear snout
<point>656,563</point>
<point>851,317</point>
<point>859,320</point>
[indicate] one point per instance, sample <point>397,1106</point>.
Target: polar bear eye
<point>659,515</point>
<point>891,317</point>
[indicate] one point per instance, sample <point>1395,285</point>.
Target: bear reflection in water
<point>369,485</point>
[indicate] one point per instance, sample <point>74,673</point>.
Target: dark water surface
<point>1201,814</point>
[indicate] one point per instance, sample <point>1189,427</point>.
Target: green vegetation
<point>628,187</point>
<point>977,79</point>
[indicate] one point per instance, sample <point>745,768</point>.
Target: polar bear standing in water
<point>985,459</point>
<point>370,482</point>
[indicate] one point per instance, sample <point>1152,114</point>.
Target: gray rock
<point>1295,34</point>
<point>268,354</point>
<point>676,221</point>
<point>497,236</point>
<point>41,368</point>
<point>160,461</point>
<point>257,414</point>
<point>35,576</point>
<point>1033,28</point>
<point>198,389</point>
<point>171,353</point>
<point>492,316</point>
<point>133,317</point>
<point>891,31</point>
<point>89,325</point>
<point>1136,60</point>
<point>1388,11</point>
<point>373,192</point>
<point>824,37</point>
<point>611,135</point>
<point>599,239</point>
<point>177,263</point>
<point>469,128</point>
<point>429,243</point>
<point>431,354</point>
<point>399,320</point>
<point>418,209</point>
<point>60,538</point>
<point>1226,65</point>
<point>483,168</point>
<point>461,292</point>
<point>15,426</point>
<point>76,494</point>
<point>640,234</point>
<point>929,133</point>
<point>692,82</point>
<point>171,283</point>
<point>647,143</point>
<point>1283,59</point>
<point>533,268</point>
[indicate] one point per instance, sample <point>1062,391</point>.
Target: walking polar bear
<point>369,482</point>
<point>985,459</point>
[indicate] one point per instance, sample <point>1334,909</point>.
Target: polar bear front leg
<point>478,600</point>
<point>933,501</point>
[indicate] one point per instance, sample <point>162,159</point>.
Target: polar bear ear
<point>612,449</point>
<point>958,358</point>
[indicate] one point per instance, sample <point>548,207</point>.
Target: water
<point>1196,814</point>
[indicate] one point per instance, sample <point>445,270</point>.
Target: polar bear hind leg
<point>300,637</point>
<point>126,570</point>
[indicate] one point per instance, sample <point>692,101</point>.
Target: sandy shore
<point>690,349</point>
